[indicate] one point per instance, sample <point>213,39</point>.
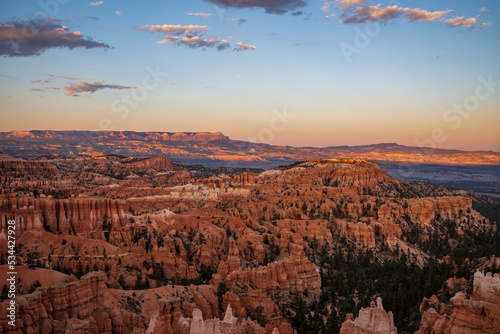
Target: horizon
<point>289,73</point>
<point>273,144</point>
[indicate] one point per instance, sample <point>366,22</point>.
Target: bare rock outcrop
<point>291,274</point>
<point>71,215</point>
<point>372,320</point>
<point>75,307</point>
<point>479,314</point>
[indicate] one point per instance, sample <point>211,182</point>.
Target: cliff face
<point>339,173</point>
<point>68,308</point>
<point>158,163</point>
<point>88,306</point>
<point>372,320</point>
<point>465,315</point>
<point>292,275</point>
<point>69,216</point>
<point>10,164</point>
<point>424,210</point>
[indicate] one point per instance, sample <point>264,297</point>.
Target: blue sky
<point>348,72</point>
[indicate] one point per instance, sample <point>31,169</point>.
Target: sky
<point>282,72</point>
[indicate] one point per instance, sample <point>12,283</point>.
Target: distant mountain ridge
<point>216,149</point>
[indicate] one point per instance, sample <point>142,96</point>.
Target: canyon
<point>147,245</point>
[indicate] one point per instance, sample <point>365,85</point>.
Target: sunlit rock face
<point>479,313</point>
<point>181,247</point>
<point>371,320</point>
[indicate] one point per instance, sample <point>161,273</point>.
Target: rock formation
<point>372,320</point>
<point>73,215</point>
<point>465,315</point>
<point>67,307</point>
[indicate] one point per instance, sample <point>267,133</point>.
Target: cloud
<point>327,5</point>
<point>62,77</point>
<point>298,13</point>
<point>32,38</point>
<point>197,42</point>
<point>482,10</point>
<point>187,35</point>
<point>168,39</point>
<point>91,87</point>
<point>204,15</point>
<point>35,90</point>
<point>347,4</point>
<point>98,3</point>
<point>459,21</point>
<point>377,14</point>
<point>42,80</point>
<point>119,13</point>
<point>4,76</point>
<point>239,21</point>
<point>207,87</point>
<point>74,86</point>
<point>224,44</point>
<point>175,29</point>
<point>242,47</point>
<point>271,6</point>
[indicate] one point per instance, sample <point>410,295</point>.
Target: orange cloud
<point>375,13</point>
<point>242,47</point>
<point>459,21</point>
<point>176,29</point>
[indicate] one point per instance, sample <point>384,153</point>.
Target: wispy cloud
<point>191,36</point>
<point>175,29</point>
<point>271,6</point>
<point>204,15</point>
<point>239,21</point>
<point>119,13</point>
<point>63,77</point>
<point>167,39</point>
<point>460,21</point>
<point>91,87</point>
<point>97,3</point>
<point>197,42</point>
<point>16,42</point>
<point>346,4</point>
<point>327,5</point>
<point>41,80</point>
<point>73,86</point>
<point>51,77</point>
<point>482,10</point>
<point>242,47</point>
<point>355,12</point>
<point>4,76</point>
<point>375,13</point>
